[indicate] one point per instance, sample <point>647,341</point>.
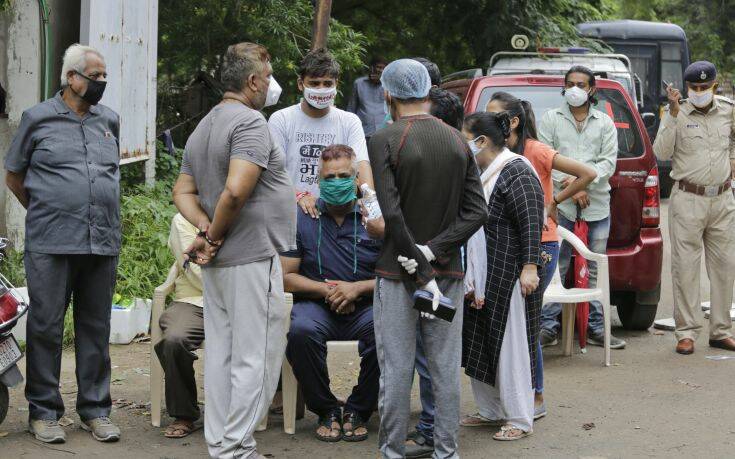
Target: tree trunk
<point>322,12</point>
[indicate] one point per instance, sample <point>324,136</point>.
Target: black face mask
<point>94,91</point>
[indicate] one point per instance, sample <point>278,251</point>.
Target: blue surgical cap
<point>406,79</point>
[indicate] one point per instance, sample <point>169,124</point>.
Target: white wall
<point>126,32</point>
<point>21,61</point>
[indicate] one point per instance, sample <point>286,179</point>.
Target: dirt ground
<point>650,403</point>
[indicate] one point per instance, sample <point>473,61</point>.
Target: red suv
<point>635,246</point>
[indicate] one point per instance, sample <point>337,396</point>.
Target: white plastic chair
<point>290,387</point>
<point>570,297</point>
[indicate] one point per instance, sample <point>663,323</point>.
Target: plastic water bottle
<point>370,201</point>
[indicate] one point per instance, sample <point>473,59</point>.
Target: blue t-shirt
<point>338,248</point>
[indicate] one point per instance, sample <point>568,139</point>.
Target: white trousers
<point>512,397</point>
<point>245,329</point>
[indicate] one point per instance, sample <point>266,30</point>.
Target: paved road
<point>650,403</point>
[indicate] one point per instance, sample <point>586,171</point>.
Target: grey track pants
<point>395,335</point>
<point>245,326</point>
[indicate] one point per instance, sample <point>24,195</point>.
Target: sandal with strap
<point>357,422</point>
<point>478,420</point>
<point>510,432</point>
<point>179,429</point>
<point>328,421</point>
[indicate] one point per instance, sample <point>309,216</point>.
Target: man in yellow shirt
<point>183,333</point>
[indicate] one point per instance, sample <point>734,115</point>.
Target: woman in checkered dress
<point>501,325</point>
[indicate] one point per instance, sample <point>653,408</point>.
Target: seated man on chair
<point>183,332</point>
<point>331,275</point>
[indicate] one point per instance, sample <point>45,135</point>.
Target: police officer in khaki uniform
<point>697,135</point>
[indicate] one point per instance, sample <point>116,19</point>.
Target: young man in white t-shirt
<point>305,129</point>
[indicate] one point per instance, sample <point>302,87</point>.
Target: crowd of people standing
<point>448,274</point>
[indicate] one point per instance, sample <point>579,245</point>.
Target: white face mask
<point>701,99</point>
<point>274,92</point>
<point>320,98</point>
<point>473,146</point>
<point>576,97</point>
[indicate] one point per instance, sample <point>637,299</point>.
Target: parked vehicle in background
<point>635,246</point>
<point>657,52</point>
<point>12,308</point>
<point>556,61</point>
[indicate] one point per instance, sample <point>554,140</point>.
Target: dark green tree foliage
<point>465,33</point>
<point>193,35</point>
<point>707,23</point>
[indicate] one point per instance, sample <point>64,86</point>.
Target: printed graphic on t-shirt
<point>309,154</point>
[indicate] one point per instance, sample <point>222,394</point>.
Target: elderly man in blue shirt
<point>63,166</point>
<point>331,274</point>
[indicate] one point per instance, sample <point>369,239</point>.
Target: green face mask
<point>337,191</point>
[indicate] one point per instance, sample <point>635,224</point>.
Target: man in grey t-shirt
<point>234,187</point>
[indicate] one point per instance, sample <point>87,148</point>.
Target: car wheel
<point>4,402</point>
<point>636,316</point>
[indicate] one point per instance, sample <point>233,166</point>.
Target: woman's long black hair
<point>494,126</point>
<point>521,109</point>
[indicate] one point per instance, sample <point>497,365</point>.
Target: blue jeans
<point>598,233</point>
<point>425,425</point>
<point>551,248</point>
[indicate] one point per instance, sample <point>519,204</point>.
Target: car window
<point>671,68</point>
<point>610,101</point>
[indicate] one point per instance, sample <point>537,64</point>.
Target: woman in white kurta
<point>501,329</point>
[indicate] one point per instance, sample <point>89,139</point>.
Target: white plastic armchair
<point>570,297</point>
<point>159,304</point>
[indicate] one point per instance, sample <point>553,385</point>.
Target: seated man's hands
<point>342,296</point>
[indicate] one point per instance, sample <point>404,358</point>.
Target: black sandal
<point>333,417</point>
<point>357,422</point>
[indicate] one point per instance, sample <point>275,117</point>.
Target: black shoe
<point>548,338</point>
<point>421,447</point>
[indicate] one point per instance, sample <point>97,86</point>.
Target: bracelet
<point>555,200</point>
<point>205,235</point>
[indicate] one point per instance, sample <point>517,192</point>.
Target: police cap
<point>700,72</point>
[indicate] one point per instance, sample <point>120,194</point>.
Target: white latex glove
<point>432,288</point>
<point>428,254</point>
<point>409,264</point>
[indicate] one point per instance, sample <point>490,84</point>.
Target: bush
<point>145,259</point>
<point>13,269</point>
